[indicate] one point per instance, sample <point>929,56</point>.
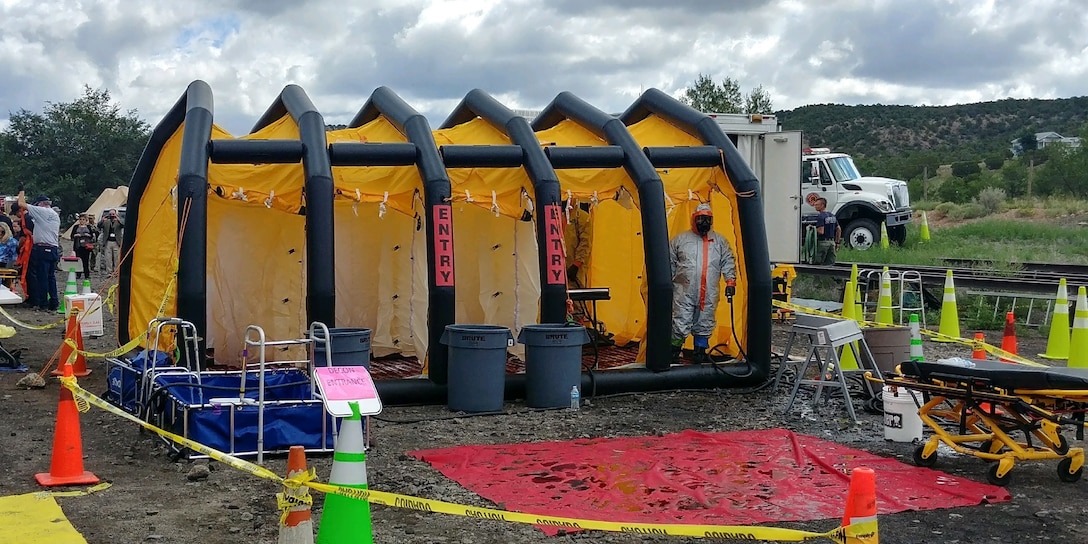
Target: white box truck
<point>791,178</point>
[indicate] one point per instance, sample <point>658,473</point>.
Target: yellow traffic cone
<point>859,306</point>
<point>884,303</point>
<point>847,361</point>
<point>925,228</point>
<point>950,315</point>
<point>883,235</point>
<point>1057,344</point>
<point>854,273</point>
<point>1078,344</point>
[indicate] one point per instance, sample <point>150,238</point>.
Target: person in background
<point>9,247</point>
<point>577,237</point>
<point>110,234</point>
<point>46,253</point>
<point>24,231</point>
<point>700,257</point>
<point>83,240</point>
<point>828,233</point>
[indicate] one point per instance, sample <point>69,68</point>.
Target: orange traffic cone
<point>66,467</point>
<point>861,507</point>
<point>297,527</point>
<point>979,351</point>
<point>79,365</point>
<point>1008,341</point>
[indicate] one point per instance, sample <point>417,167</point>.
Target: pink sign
<point>443,245</point>
<point>554,244</point>
<point>339,385</point>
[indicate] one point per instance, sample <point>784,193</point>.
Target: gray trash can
<point>553,363</point>
<point>477,366</point>
<point>350,347</point>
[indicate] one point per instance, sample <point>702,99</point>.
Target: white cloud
<point>524,52</point>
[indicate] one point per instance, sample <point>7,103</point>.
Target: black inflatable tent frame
<point>195,109</point>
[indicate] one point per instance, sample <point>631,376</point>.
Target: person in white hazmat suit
<point>699,258</point>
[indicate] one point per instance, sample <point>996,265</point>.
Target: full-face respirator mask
<point>703,224</point>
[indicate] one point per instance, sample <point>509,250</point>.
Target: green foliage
<point>991,198</point>
<point>970,210</point>
<point>1066,172</point>
<point>954,190</point>
<point>758,101</point>
<point>900,141</point>
<point>963,169</point>
<point>994,162</point>
<point>1028,142</point>
<point>707,96</point>
<point>73,150</point>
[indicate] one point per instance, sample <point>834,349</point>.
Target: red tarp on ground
<point>737,478</point>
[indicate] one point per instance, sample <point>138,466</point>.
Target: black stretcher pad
<point>1001,375</point>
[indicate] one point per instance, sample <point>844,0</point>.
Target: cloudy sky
<point>524,52</point>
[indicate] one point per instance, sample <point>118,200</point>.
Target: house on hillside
<point>1044,139</point>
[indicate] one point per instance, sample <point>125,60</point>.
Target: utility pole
<point>925,183</point>
<point>1031,175</point>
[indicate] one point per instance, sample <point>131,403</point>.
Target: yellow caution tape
<point>131,345</point>
<point>77,493</point>
<point>739,532</point>
<point>993,350</point>
<point>27,325</point>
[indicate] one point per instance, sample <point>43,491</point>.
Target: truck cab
<point>860,203</point>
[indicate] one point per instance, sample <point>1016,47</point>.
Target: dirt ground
<point>152,500</point>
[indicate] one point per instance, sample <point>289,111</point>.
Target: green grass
<point>1006,241</point>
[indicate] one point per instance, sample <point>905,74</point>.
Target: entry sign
<point>339,385</point>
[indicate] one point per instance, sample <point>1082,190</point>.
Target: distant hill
<point>900,139</point>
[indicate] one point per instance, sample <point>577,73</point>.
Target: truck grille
<point>900,197</point>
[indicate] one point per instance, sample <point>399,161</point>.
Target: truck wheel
<point>862,234</point>
<point>897,234</point>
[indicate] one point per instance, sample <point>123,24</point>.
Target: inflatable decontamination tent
<point>394,226</point>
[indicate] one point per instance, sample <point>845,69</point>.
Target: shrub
<point>944,209</point>
<point>971,210</point>
<point>991,198</point>
<point>1025,212</point>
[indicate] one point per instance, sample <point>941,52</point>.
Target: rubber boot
<point>701,344</point>
<point>677,350</point>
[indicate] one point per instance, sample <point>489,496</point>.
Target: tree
<point>707,96</point>
<point>1028,142</point>
<point>758,101</point>
<point>72,150</point>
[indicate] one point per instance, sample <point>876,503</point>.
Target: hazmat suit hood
<point>702,211</point>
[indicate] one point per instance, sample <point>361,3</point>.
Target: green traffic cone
<point>344,519</point>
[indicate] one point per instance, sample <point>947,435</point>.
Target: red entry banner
<point>443,245</point>
<point>553,240</point>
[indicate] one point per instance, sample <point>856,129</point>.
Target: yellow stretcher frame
<point>988,415</point>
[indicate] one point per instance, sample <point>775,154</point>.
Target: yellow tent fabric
<point>256,240</point>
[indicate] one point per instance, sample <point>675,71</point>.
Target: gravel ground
<point>153,499</point>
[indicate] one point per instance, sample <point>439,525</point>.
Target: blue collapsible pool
<point>218,412</point>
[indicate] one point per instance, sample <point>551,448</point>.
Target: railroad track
<point>1038,279</point>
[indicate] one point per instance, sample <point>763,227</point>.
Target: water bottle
<point>575,399</point>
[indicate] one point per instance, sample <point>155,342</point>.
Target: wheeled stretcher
<point>999,412</point>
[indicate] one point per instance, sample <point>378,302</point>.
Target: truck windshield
<point>843,169</point>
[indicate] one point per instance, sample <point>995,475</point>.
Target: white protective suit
<point>698,264</point>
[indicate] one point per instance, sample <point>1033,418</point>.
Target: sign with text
<point>554,242</point>
<point>339,385</point>
<point>443,245</point>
